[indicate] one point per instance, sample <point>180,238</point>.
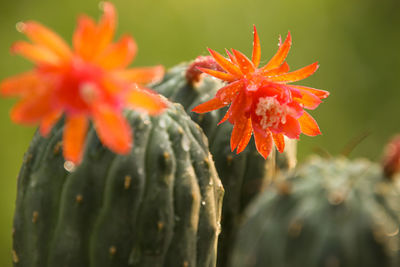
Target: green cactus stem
<point>159,205</point>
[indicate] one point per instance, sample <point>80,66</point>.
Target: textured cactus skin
<point>244,175</point>
<point>329,212</point>
<point>158,206</point>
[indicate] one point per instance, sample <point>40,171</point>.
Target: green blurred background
<point>357,43</point>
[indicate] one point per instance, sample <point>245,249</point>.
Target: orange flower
<point>261,100</point>
<point>89,81</point>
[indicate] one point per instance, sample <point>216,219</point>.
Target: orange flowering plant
<point>89,81</point>
<point>262,102</point>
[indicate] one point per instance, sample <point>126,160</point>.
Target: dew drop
<point>69,166</point>
<point>20,26</point>
<point>203,203</point>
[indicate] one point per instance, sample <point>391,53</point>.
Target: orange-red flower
<point>89,81</point>
<point>261,100</point>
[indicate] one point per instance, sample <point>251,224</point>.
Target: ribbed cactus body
<point>244,175</point>
<point>329,212</point>
<point>158,206</point>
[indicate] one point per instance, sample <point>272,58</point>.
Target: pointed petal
<point>231,57</point>
<point>218,74</point>
<point>279,141</point>
<point>45,37</point>
<point>145,100</point>
<point>263,143</point>
<point>281,55</point>
<point>31,109</point>
<point>106,26</point>
<point>240,129</point>
<point>321,94</point>
<point>296,75</point>
<point>245,64</point>
<point>112,128</point>
<point>210,105</point>
<point>228,93</point>
<point>48,121</point>
<point>36,53</point>
<point>256,49</point>
<point>246,136</point>
<point>143,75</point>
<point>225,63</point>
<point>20,85</point>
<point>74,137</point>
<point>308,125</point>
<point>291,128</point>
<point>309,100</point>
<point>240,104</point>
<point>118,55</point>
<point>284,68</point>
<point>84,37</point>
<point>226,116</point>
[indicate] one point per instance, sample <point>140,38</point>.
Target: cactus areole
<point>157,206</point>
<point>329,212</point>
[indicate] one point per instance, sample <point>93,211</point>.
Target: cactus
<point>244,175</point>
<point>329,212</point>
<point>157,206</point>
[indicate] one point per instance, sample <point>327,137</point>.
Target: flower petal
<point>231,57</point>
<point>225,64</point>
<point>145,100</point>
<point>245,64</point>
<point>296,75</point>
<point>210,105</point>
<point>36,53</point>
<point>241,129</point>
<point>142,75</point>
<point>84,37</point>
<point>291,128</point>
<point>118,55</point>
<point>321,94</point>
<point>218,74</point>
<point>309,100</point>
<point>228,93</point>
<point>31,109</point>
<point>226,116</point>
<point>48,121</point>
<point>308,125</point>
<point>281,55</point>
<point>45,37</point>
<point>112,128</point>
<point>106,26</point>
<point>256,56</point>
<point>284,68</point>
<point>263,143</point>
<point>74,137</point>
<point>246,136</point>
<point>279,141</point>
<point>21,85</point>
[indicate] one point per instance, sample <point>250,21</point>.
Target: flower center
<point>272,113</point>
<point>88,92</point>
